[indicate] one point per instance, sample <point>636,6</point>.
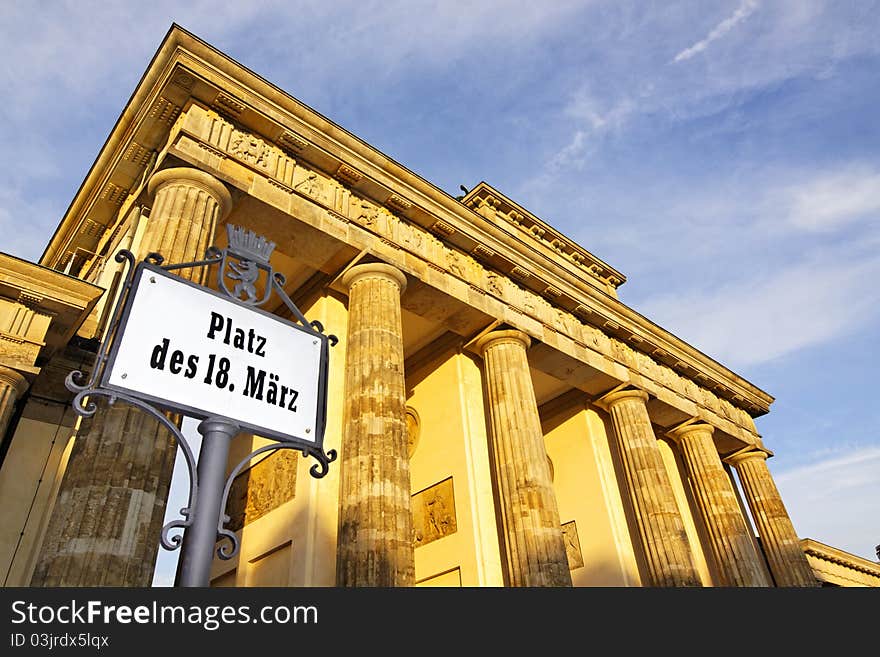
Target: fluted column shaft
<point>12,386</point>
<point>661,529</point>
<point>534,543</point>
<point>730,541</point>
<point>105,526</point>
<point>787,560</point>
<point>375,545</point>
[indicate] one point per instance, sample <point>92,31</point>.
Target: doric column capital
<point>374,270</point>
<point>681,433</point>
<point>14,380</point>
<point>498,337</point>
<point>194,178</point>
<point>617,396</point>
<point>739,457</point>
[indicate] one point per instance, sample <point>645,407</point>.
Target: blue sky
<point>724,155</point>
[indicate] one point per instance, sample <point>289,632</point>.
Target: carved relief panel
<point>433,513</point>
<point>250,149</point>
<point>311,184</point>
<point>572,545</point>
<point>225,138</point>
<point>262,488</point>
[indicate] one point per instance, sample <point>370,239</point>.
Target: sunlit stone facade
<point>501,417</point>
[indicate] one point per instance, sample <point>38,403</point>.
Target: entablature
<point>838,567</point>
<point>40,310</point>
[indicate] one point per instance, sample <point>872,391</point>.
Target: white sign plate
<point>189,349</point>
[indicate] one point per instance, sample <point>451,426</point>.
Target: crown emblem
<point>248,244</point>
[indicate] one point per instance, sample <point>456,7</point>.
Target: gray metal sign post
<point>223,360</point>
<point>197,553</point>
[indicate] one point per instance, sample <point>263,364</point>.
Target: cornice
<point>512,217</point>
<point>186,69</point>
<point>43,288</point>
<point>834,555</point>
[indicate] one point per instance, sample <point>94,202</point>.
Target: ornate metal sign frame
<point>246,261</point>
<point>145,272</point>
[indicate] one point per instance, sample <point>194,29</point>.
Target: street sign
<point>175,345</point>
<point>190,349</point>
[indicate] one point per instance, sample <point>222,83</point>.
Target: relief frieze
<point>411,238</point>
<point>496,285</point>
<point>623,353</point>
<point>244,146</point>
<point>414,238</point>
<point>456,265</point>
<point>338,199</point>
<point>312,185</point>
<point>250,149</point>
<point>364,212</point>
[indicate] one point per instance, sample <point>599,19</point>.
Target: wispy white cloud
<point>829,465</point>
<point>834,500</point>
<point>593,119</point>
<point>572,154</point>
<point>743,11</point>
<point>784,260</point>
<point>628,86</point>
<point>598,115</point>
<point>760,316</point>
<point>829,200</point>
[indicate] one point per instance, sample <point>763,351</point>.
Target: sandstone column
<point>788,564</point>
<point>105,526</point>
<point>532,533</point>
<point>661,529</point>
<point>730,540</point>
<point>375,545</point>
<point>12,386</point>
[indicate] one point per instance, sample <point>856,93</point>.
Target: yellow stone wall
<point>452,443</point>
<point>587,492</point>
<point>28,483</point>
